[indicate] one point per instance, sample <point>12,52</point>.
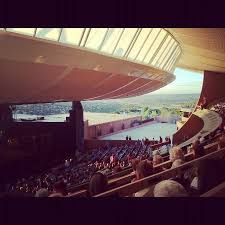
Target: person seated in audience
<point>67,163</point>
<point>221,142</point>
<point>198,149</point>
<point>134,163</point>
<point>129,157</point>
<point>112,158</point>
<point>117,169</point>
<point>155,152</point>
<point>180,178</point>
<point>221,128</point>
<point>201,139</point>
<point>204,103</point>
<point>169,188</point>
<point>157,159</point>
<point>59,189</point>
<point>176,153</point>
<point>143,169</point>
<point>98,184</point>
<point>43,192</point>
<point>122,164</point>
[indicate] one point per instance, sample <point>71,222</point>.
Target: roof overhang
<point>36,70</point>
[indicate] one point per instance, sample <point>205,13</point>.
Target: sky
<point>186,82</point>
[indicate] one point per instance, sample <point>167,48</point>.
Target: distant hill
<point>113,106</point>
<point>155,101</point>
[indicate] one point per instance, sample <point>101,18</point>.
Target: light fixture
<point>98,68</point>
<point>40,59</point>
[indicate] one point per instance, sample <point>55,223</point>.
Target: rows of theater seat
<point>219,108</point>
<point>188,175</point>
<point>79,172</point>
<point>177,185</point>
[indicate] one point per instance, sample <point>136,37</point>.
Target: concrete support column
<point>77,122</point>
<point>6,113</point>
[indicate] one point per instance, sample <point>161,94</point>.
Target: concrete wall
<point>93,131</point>
<point>167,119</point>
<point>189,129</point>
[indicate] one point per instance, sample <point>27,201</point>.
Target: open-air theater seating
<point>122,186</point>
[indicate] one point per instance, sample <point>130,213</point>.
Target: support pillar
<point>6,113</point>
<point>6,117</point>
<point>77,121</point>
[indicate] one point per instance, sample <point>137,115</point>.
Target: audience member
<point>43,192</point>
<point>98,183</point>
<point>157,159</point>
<point>221,142</point>
<point>59,188</point>
<point>169,188</point>
<point>198,149</point>
<point>204,103</point>
<point>176,153</point>
<point>180,177</point>
<point>143,169</point>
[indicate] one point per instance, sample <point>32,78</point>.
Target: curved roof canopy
<point>65,64</point>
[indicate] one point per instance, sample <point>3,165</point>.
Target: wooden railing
<point>136,186</point>
<point>81,193</point>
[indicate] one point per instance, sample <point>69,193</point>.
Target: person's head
<point>157,159</point>
<point>197,149</point>
<point>60,187</point>
<point>43,192</point>
<point>144,169</point>
<point>177,162</point>
<point>134,163</point>
<point>98,183</point>
<point>176,153</point>
<point>169,188</point>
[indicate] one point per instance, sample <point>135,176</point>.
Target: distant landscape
<point>146,105</point>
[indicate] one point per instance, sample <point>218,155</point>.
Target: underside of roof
<point>66,64</point>
<point>35,71</point>
<point>202,48</point>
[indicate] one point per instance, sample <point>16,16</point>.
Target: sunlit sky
<point>186,82</point>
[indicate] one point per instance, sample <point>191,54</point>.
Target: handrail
<point>136,186</point>
<point>81,193</point>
